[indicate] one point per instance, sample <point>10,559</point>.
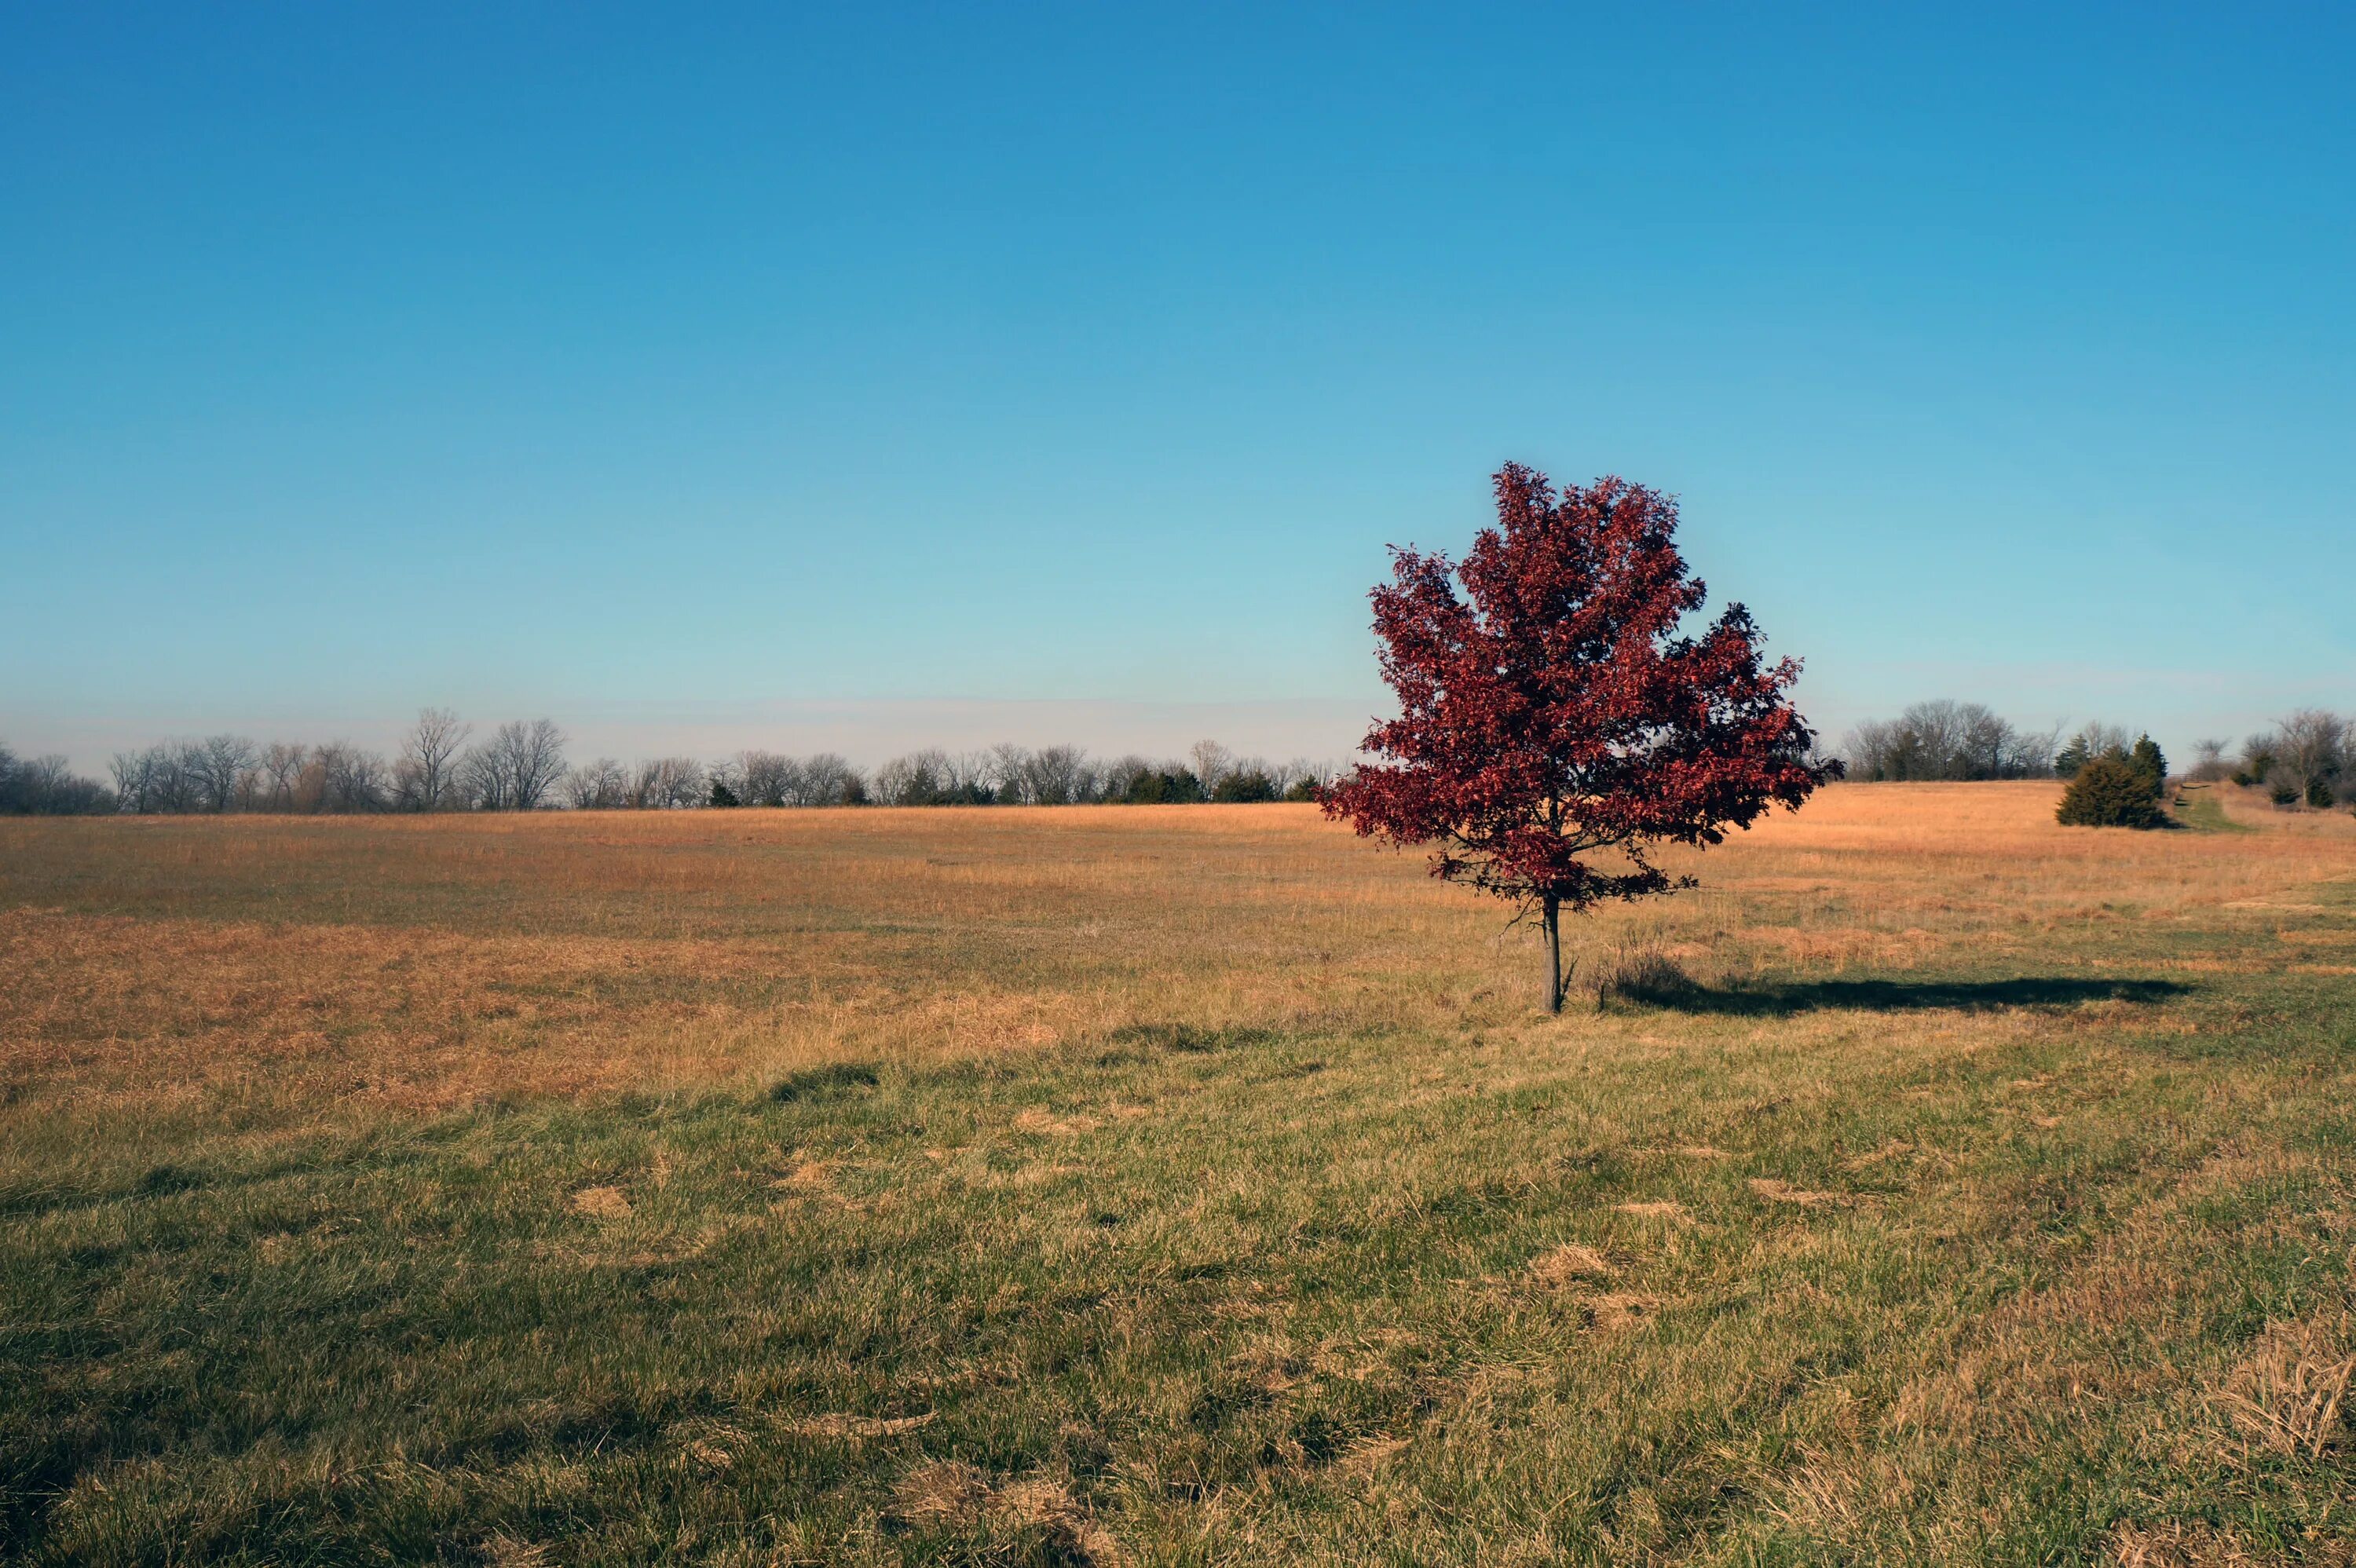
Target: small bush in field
<point>2283,794</point>
<point>2110,792</point>
<point>2319,793</point>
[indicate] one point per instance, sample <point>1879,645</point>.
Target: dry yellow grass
<point>430,963</point>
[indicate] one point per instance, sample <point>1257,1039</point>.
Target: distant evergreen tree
<point>721,795</point>
<point>1242,786</point>
<point>2070,758</point>
<point>2110,790</point>
<point>2147,759</point>
<point>1165,786</point>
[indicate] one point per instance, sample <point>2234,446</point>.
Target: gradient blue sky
<point>859,376</point>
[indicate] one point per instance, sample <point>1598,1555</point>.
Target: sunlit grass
<point>1170,1184</point>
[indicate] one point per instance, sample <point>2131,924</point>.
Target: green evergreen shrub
<point>1243,788</point>
<point>2110,792</point>
<point>1165,786</point>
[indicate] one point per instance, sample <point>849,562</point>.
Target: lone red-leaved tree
<point>1554,708</point>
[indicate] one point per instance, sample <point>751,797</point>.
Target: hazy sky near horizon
<point>867,376</point>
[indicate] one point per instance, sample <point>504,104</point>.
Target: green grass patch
<point>2200,808</point>
<point>1455,1297</point>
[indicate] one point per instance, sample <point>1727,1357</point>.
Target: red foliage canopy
<point>1554,708</point>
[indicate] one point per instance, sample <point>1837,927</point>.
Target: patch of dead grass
<point>1367,1455</point>
<point>1568,1263</point>
<point>862,1428</point>
<point>1612,1311</point>
<point>1776,1190</point>
<point>2176,1544</point>
<point>1045,1122</point>
<point>505,1551</point>
<point>1667,1209</point>
<point>602,1203</point>
<point>2289,1394</point>
<point>944,1491</point>
<point>952,1492</point>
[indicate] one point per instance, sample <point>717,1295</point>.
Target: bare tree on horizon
<point>427,769</point>
<point>1212,762</point>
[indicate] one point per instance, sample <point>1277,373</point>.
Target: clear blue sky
<point>789,375</point>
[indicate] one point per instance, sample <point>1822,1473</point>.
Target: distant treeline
<point>44,786</point>
<point>2309,758</point>
<point>1949,740</point>
<point>1955,742</point>
<point>522,767</point>
<point>2306,758</point>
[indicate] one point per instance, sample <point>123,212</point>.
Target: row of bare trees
<point>1949,740</point>
<point>1065,775</point>
<point>515,768</point>
<point>997,775</point>
<point>749,778</point>
<point>2306,758</point>
<point>47,786</point>
<point>521,766</point>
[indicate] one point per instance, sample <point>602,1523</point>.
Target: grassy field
<point>1180,1185</point>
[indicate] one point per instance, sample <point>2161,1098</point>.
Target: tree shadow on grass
<point>1905,995</point>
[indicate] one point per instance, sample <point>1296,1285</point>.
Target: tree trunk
<point>1554,954</point>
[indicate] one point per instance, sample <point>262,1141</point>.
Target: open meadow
<point>1174,1185</point>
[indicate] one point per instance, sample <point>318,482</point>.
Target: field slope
<point>1172,1185</point>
